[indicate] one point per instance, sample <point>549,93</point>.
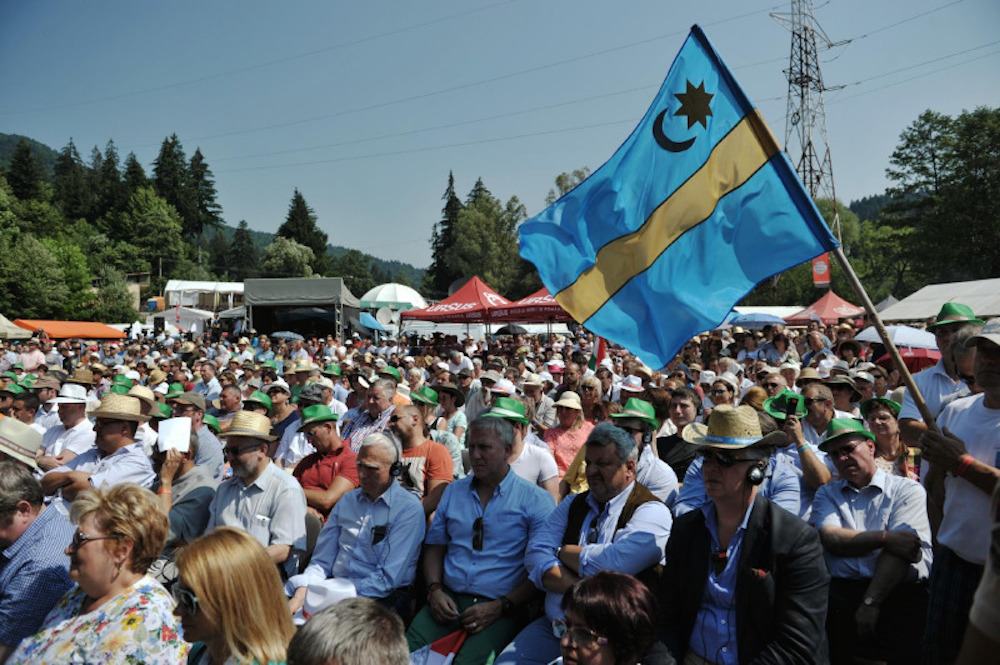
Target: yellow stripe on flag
<point>733,161</point>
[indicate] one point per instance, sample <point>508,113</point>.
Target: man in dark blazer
<point>744,580</point>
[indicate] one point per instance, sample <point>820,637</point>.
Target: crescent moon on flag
<point>664,141</point>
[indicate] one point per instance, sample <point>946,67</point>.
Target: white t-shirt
<point>535,465</point>
<point>965,526</point>
<point>78,439</point>
<point>934,384</point>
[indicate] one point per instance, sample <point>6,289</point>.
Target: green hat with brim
<point>507,408</point>
<point>638,408</point>
<point>870,404</point>
<point>10,375</point>
<point>332,370</point>
<point>163,411</point>
<point>175,390</point>
<point>259,398</point>
<point>391,371</point>
<point>841,427</point>
<point>213,423</point>
<point>317,413</point>
<point>13,389</point>
<point>776,406</point>
<point>122,380</point>
<point>270,364</point>
<point>425,395</point>
<point>119,389</point>
<point>955,312</point>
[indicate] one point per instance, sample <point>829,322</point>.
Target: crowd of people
<point>767,496</point>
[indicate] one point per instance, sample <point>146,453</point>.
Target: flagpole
<point>904,371</point>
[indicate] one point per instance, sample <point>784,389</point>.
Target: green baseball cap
<point>840,427</point>
<point>270,364</point>
<point>776,406</point>
<point>13,389</point>
<point>163,412</point>
<point>122,380</point>
<point>955,312</point>
<point>212,422</point>
<point>391,371</point>
<point>332,370</point>
<point>870,404</point>
<point>9,375</point>
<point>119,389</point>
<point>425,395</point>
<point>507,408</point>
<point>175,390</point>
<point>317,413</point>
<point>260,398</point>
<point>638,408</point>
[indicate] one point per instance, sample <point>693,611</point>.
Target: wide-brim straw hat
<point>453,390</point>
<point>570,400</point>
<point>731,427</point>
<point>144,394</point>
<point>156,377</point>
<point>120,407</point>
<point>84,376</point>
<point>844,381</point>
<point>251,425</point>
<point>809,373</point>
<point>19,441</point>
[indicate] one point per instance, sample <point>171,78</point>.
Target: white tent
<point>217,295</point>
<point>982,295</point>
<point>9,331</point>
<point>188,319</point>
<point>476,331</point>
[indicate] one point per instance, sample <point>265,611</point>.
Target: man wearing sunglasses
<point>877,542</point>
<point>474,550</point>
<point>331,471</point>
<point>618,524</point>
<point>744,580</point>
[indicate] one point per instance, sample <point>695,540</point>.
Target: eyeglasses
<point>80,539</point>
<point>593,533</point>
<point>477,534</point>
<point>809,401</point>
<point>578,635</point>
<point>239,450</point>
<point>717,392</point>
<point>722,458</point>
<point>185,599</point>
<point>772,384</point>
<point>844,451</point>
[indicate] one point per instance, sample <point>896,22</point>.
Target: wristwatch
<point>506,606</point>
<point>869,601</point>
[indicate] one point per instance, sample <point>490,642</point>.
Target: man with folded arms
<point>73,435</point>
<point>330,472</point>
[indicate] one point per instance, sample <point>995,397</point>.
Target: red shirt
<point>318,471</point>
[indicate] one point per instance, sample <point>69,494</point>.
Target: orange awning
<point>66,329</point>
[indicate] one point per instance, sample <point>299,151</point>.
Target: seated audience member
<point>877,542</point>
<point>610,619</point>
<point>327,474</point>
<point>639,419</point>
<point>685,407</point>
<point>294,446</point>
<point>780,484</point>
<point>373,416</point>
<point>115,610</point>
<point>744,580</point>
<point>355,631</point>
<point>34,572</point>
<point>474,551</point>
<point>372,538</point>
<point>185,492</point>
<point>798,417</point>
<point>116,458</point>
<point>426,465</point>
<point>192,405</point>
<point>533,463</point>
<point>567,437</point>
<point>73,435</point>
<point>425,398</point>
<point>618,524</point>
<point>260,498</point>
<point>229,600</point>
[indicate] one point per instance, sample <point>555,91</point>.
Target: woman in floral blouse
<point>115,613</point>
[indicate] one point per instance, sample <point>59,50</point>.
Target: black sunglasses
<point>808,401</point>
<point>722,458</point>
<point>80,539</point>
<point>185,599</point>
<point>239,450</point>
<point>477,534</point>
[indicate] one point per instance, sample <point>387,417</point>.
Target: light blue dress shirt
<point>780,486</point>
<point>345,548</point>
<point>128,464</point>
<point>517,510</point>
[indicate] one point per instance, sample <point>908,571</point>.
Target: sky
<point>365,107</point>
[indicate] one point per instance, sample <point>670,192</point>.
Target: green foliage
<point>135,175</point>
<point>206,210</point>
<point>566,182</point>
<point>357,271</point>
<point>112,302</point>
<point>172,180</point>
<point>76,276</point>
<point>300,226</point>
<point>286,258</point>
<point>71,183</point>
<point>152,226</point>
<point>439,276</point>
<point>31,279</point>
<point>243,254</point>
<point>8,144</point>
<point>25,174</point>
<point>486,239</point>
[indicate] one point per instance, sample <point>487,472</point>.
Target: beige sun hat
<point>144,394</point>
<point>19,441</point>
<point>250,424</point>
<point>731,427</point>
<point>120,407</point>
<point>570,400</point>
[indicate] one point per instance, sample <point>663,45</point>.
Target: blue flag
<point>693,210</point>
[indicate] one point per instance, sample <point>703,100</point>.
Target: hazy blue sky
<point>374,102</point>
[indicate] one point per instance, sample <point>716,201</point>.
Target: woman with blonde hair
<point>230,601</point>
<point>115,613</point>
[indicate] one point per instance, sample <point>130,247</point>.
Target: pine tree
<point>172,180</point>
<point>243,258</point>
<point>135,175</point>
<point>478,193</point>
<point>300,226</point>
<point>71,183</point>
<point>26,174</point>
<point>110,193</point>
<point>207,212</point>
<point>93,175</point>
<point>438,277</point>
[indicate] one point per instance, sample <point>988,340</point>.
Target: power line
<point>269,63</point>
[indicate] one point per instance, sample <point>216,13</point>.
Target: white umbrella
<point>902,336</point>
<point>393,296</point>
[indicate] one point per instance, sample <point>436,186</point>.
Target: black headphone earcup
<point>395,469</point>
<point>755,474</point>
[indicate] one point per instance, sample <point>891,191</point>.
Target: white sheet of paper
<point>174,433</point>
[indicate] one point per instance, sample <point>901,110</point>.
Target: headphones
<point>647,435</point>
<point>396,468</point>
<point>755,474</point>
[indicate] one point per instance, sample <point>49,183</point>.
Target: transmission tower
<point>806,142</point>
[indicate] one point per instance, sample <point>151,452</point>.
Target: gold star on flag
<point>694,104</point>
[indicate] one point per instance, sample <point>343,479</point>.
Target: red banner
<point>821,270</point>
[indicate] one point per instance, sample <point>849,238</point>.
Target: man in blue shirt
<point>372,538</point>
<point>744,580</point>
<point>618,524</point>
<point>34,568</point>
<point>475,547</point>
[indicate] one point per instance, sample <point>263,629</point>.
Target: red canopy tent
<point>474,302</point>
<point>539,306</point>
<point>830,309</point>
<point>67,329</point>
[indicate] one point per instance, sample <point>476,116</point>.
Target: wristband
<point>163,491</point>
<point>964,462</point>
<point>802,448</point>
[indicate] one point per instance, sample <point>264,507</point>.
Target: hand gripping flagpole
<point>904,371</point>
